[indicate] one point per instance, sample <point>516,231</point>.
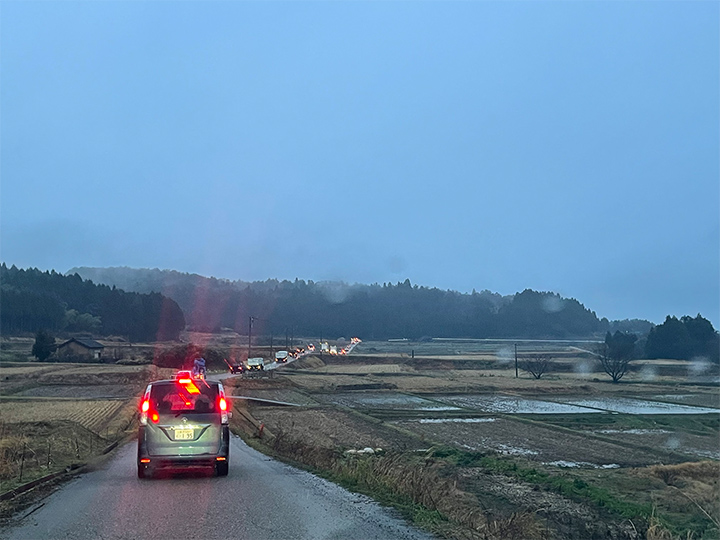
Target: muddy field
<point>570,426</point>
<point>512,444</point>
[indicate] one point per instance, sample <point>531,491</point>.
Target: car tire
<point>222,468</point>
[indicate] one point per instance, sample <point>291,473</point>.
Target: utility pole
<point>516,362</point>
<point>251,320</point>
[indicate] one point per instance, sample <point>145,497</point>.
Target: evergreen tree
<point>44,345</point>
<point>684,339</point>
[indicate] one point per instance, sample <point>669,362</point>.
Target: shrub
<point>182,357</point>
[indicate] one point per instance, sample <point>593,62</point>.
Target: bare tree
<point>536,364</point>
<point>616,353</point>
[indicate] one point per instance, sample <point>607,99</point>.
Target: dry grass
<point>89,414</point>
<point>42,437</point>
<point>396,477</point>
<point>696,484</point>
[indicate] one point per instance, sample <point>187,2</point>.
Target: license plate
<point>184,434</point>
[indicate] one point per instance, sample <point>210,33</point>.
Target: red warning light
<point>189,385</point>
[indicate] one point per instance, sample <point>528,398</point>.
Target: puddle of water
<point>515,451</point>
<point>581,464</point>
<point>707,454</point>
<point>511,405</point>
<point>634,431</point>
<point>458,420</point>
<point>638,406</point>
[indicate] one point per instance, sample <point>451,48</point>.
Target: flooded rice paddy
<point>638,406</point>
<point>511,405</point>
<point>504,404</point>
<point>385,400</point>
<point>618,440</point>
<point>612,439</point>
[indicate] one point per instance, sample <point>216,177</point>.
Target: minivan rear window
<point>188,396</point>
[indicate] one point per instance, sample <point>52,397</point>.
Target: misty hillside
<point>372,311</point>
<point>33,300</point>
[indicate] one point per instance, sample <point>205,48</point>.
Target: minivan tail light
<point>222,405</point>
<point>144,408</point>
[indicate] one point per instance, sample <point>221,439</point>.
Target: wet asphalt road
<point>260,499</point>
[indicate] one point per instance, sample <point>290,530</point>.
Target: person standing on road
<point>199,366</point>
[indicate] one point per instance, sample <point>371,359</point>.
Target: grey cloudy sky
<point>563,146</point>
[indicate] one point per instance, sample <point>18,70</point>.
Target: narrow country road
<point>260,499</point>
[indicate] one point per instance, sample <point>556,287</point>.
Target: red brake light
<point>155,417</point>
<point>145,406</point>
<point>223,404</point>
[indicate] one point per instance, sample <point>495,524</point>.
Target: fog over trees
<point>378,311</point>
<point>146,305</point>
<point>33,300</point>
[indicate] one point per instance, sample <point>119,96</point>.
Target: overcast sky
<point>561,146</point>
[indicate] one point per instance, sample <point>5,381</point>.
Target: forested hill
<point>371,311</point>
<point>33,300</point>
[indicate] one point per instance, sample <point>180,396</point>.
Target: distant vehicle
<point>324,347</point>
<point>234,367</point>
<point>281,356</point>
<point>256,364</point>
<point>183,425</point>
<point>311,347</point>
<point>333,349</point>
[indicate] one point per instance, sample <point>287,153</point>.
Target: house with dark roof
<point>80,348</point>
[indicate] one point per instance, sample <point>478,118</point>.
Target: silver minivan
<point>183,425</point>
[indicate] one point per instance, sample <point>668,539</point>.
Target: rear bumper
<point>192,461</point>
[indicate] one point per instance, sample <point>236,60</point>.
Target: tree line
<point>683,339</point>
<point>378,311</point>
<point>33,300</point>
